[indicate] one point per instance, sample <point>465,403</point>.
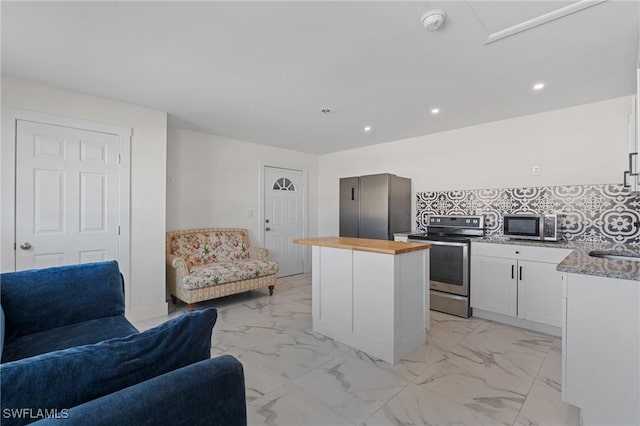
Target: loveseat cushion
<point>201,248</point>
<point>41,299</point>
<point>83,333</point>
<point>226,272</point>
<point>70,377</point>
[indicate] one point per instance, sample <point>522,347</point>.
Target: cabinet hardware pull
<point>512,269</point>
<point>353,191</point>
<point>520,274</point>
<point>624,180</point>
<point>631,173</point>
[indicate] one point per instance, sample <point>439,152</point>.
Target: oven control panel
<point>469,222</point>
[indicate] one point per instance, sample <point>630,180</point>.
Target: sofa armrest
<point>177,263</point>
<point>209,392</point>
<point>258,253</point>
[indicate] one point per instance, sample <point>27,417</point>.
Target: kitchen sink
<point>616,255</point>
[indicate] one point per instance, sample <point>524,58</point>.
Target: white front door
<point>67,195</point>
<point>283,208</point>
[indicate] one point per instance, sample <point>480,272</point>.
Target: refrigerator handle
<point>353,194</point>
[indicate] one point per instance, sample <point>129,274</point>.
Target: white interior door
<point>67,195</point>
<point>283,209</point>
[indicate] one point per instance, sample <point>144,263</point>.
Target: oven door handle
<point>439,243</point>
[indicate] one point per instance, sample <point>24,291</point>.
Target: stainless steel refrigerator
<point>375,206</point>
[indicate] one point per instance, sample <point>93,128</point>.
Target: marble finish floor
<point>470,372</point>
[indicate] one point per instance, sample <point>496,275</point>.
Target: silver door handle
<point>25,246</point>
<point>631,155</point>
<point>267,229</point>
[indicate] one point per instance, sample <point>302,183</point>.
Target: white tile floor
<point>470,372</point>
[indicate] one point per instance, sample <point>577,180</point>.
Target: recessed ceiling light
<point>367,128</point>
<point>435,111</point>
<point>538,86</point>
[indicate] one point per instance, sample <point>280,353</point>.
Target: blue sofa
<point>69,356</point>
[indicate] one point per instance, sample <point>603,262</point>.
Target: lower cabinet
<point>518,281</point>
<point>601,349</point>
<point>540,292</point>
<point>493,286</point>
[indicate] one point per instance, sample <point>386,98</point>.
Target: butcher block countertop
<point>364,244</point>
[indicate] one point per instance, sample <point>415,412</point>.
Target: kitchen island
<point>371,294</point>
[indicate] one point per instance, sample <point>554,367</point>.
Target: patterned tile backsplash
<point>590,213</point>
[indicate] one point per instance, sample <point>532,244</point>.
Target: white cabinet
<point>493,287</point>
<point>374,302</point>
<point>518,282</point>
<point>601,349</point>
<point>540,292</point>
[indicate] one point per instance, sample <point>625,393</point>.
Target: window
<point>283,184</point>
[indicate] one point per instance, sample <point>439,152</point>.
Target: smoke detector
<point>433,19</point>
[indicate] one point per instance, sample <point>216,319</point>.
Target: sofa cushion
<point>207,393</point>
<point>201,248</point>
<point>83,333</point>
<point>70,377</point>
<point>226,272</point>
<point>42,299</point>
<point>1,331</point>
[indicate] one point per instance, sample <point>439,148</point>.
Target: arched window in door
<point>283,184</point>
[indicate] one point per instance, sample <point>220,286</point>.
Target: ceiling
<point>262,71</point>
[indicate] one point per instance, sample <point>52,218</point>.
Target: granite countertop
<point>533,243</point>
<point>364,244</point>
<point>579,261</point>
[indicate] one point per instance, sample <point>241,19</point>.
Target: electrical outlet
<point>535,171</point>
<point>250,213</point>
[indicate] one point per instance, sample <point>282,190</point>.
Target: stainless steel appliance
<point>375,206</point>
<point>450,238</point>
<point>530,227</point>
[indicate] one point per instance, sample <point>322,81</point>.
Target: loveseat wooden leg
<point>191,307</point>
<point>271,287</point>
<point>174,300</point>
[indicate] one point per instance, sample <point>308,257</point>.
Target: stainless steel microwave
<point>531,227</point>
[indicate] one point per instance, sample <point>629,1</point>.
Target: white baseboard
<point>147,312</point>
<point>517,322</point>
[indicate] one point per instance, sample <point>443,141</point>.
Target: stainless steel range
<point>450,238</point>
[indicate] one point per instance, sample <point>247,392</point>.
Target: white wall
<point>586,144</point>
<point>214,182</point>
<point>148,176</point>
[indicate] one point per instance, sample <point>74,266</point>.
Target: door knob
<point>267,229</point>
<point>25,246</point>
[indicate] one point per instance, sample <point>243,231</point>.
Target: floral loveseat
<point>207,263</point>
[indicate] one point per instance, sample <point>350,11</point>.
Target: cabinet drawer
<point>512,251</point>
